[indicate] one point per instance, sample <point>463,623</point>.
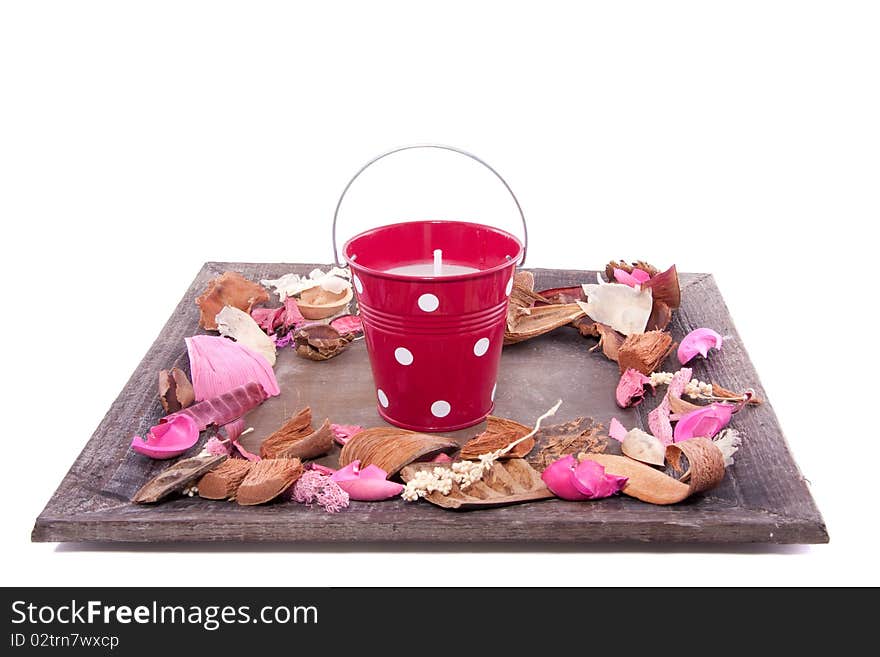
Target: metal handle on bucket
<point>441,147</point>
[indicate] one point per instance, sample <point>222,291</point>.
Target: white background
<point>138,140</point>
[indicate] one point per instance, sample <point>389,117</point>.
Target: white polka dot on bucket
<point>357,284</point>
<point>481,346</point>
<point>429,303</point>
<point>403,356</point>
<point>440,408</point>
<point>509,287</point>
<point>383,398</point>
<point>494,388</point>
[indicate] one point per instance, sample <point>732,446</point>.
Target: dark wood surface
<point>763,499</point>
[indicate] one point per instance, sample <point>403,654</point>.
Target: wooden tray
<point>763,499</point>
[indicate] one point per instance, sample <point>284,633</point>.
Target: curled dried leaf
<point>320,342</point>
<point>665,287</point>
<point>499,433</point>
<point>228,289</point>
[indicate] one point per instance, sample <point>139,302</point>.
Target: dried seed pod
<point>296,428</point>
<point>320,342</point>
<point>176,478</point>
<point>643,447</point>
<point>222,482</point>
<point>175,390</point>
<point>390,448</point>
<point>313,445</point>
<point>267,479</point>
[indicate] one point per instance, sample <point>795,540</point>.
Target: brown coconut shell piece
<point>228,289</point>
<point>176,478</point>
<point>222,482</point>
<point>267,479</point>
<point>312,446</point>
<point>175,390</point>
<point>298,427</point>
<point>391,449</point>
<point>697,465</point>
<point>499,433</point>
<point>508,482</point>
<point>644,351</point>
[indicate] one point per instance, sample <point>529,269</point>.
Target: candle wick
<point>438,262</point>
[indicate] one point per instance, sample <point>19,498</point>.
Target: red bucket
<point>434,342</point>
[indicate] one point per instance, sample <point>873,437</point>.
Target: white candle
<point>427,269</point>
<point>438,262</point>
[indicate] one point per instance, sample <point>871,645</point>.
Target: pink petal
<point>168,439</point>
<point>348,324</point>
<point>658,419</point>
<point>616,430</point>
<point>704,422</point>
<point>559,477</point>
<point>291,316</point>
<point>342,432</point>
<point>698,341</point>
<point>246,454</point>
<point>367,485</point>
<point>631,388</point>
<point>323,469</point>
<point>590,479</point>
<point>635,279</point>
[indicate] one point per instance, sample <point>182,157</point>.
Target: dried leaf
<point>175,390</point>
<point>610,341</point>
<point>222,482</point>
<point>228,289</point>
<point>240,326</point>
<point>312,446</point>
<point>391,449</point>
<point>661,315</point>
<point>665,287</point>
<point>578,435</point>
<point>508,482</point>
<point>267,479</point>
<point>176,478</point>
<point>621,307</point>
<point>320,342</point>
<point>540,320</point>
<point>645,352</point>
<point>499,433</point>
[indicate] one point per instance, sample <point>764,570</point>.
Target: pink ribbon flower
<point>698,341</point>
<point>587,480</point>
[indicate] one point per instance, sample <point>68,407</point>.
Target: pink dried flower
<point>369,484</point>
<point>342,432</point>
<point>216,447</point>
<point>631,388</point>
<point>635,279</point>
<point>587,480</point>
<point>315,488</point>
<point>698,341</point>
<point>704,422</point>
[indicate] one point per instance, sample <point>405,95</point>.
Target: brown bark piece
<point>175,390</point>
<point>176,478</point>
<point>228,289</point>
<point>391,449</point>
<point>508,482</point>
<point>267,479</point>
<point>582,434</point>
<point>499,433</point>
<point>702,467</point>
<point>299,426</point>
<point>539,320</point>
<point>222,482</point>
<point>645,351</point>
